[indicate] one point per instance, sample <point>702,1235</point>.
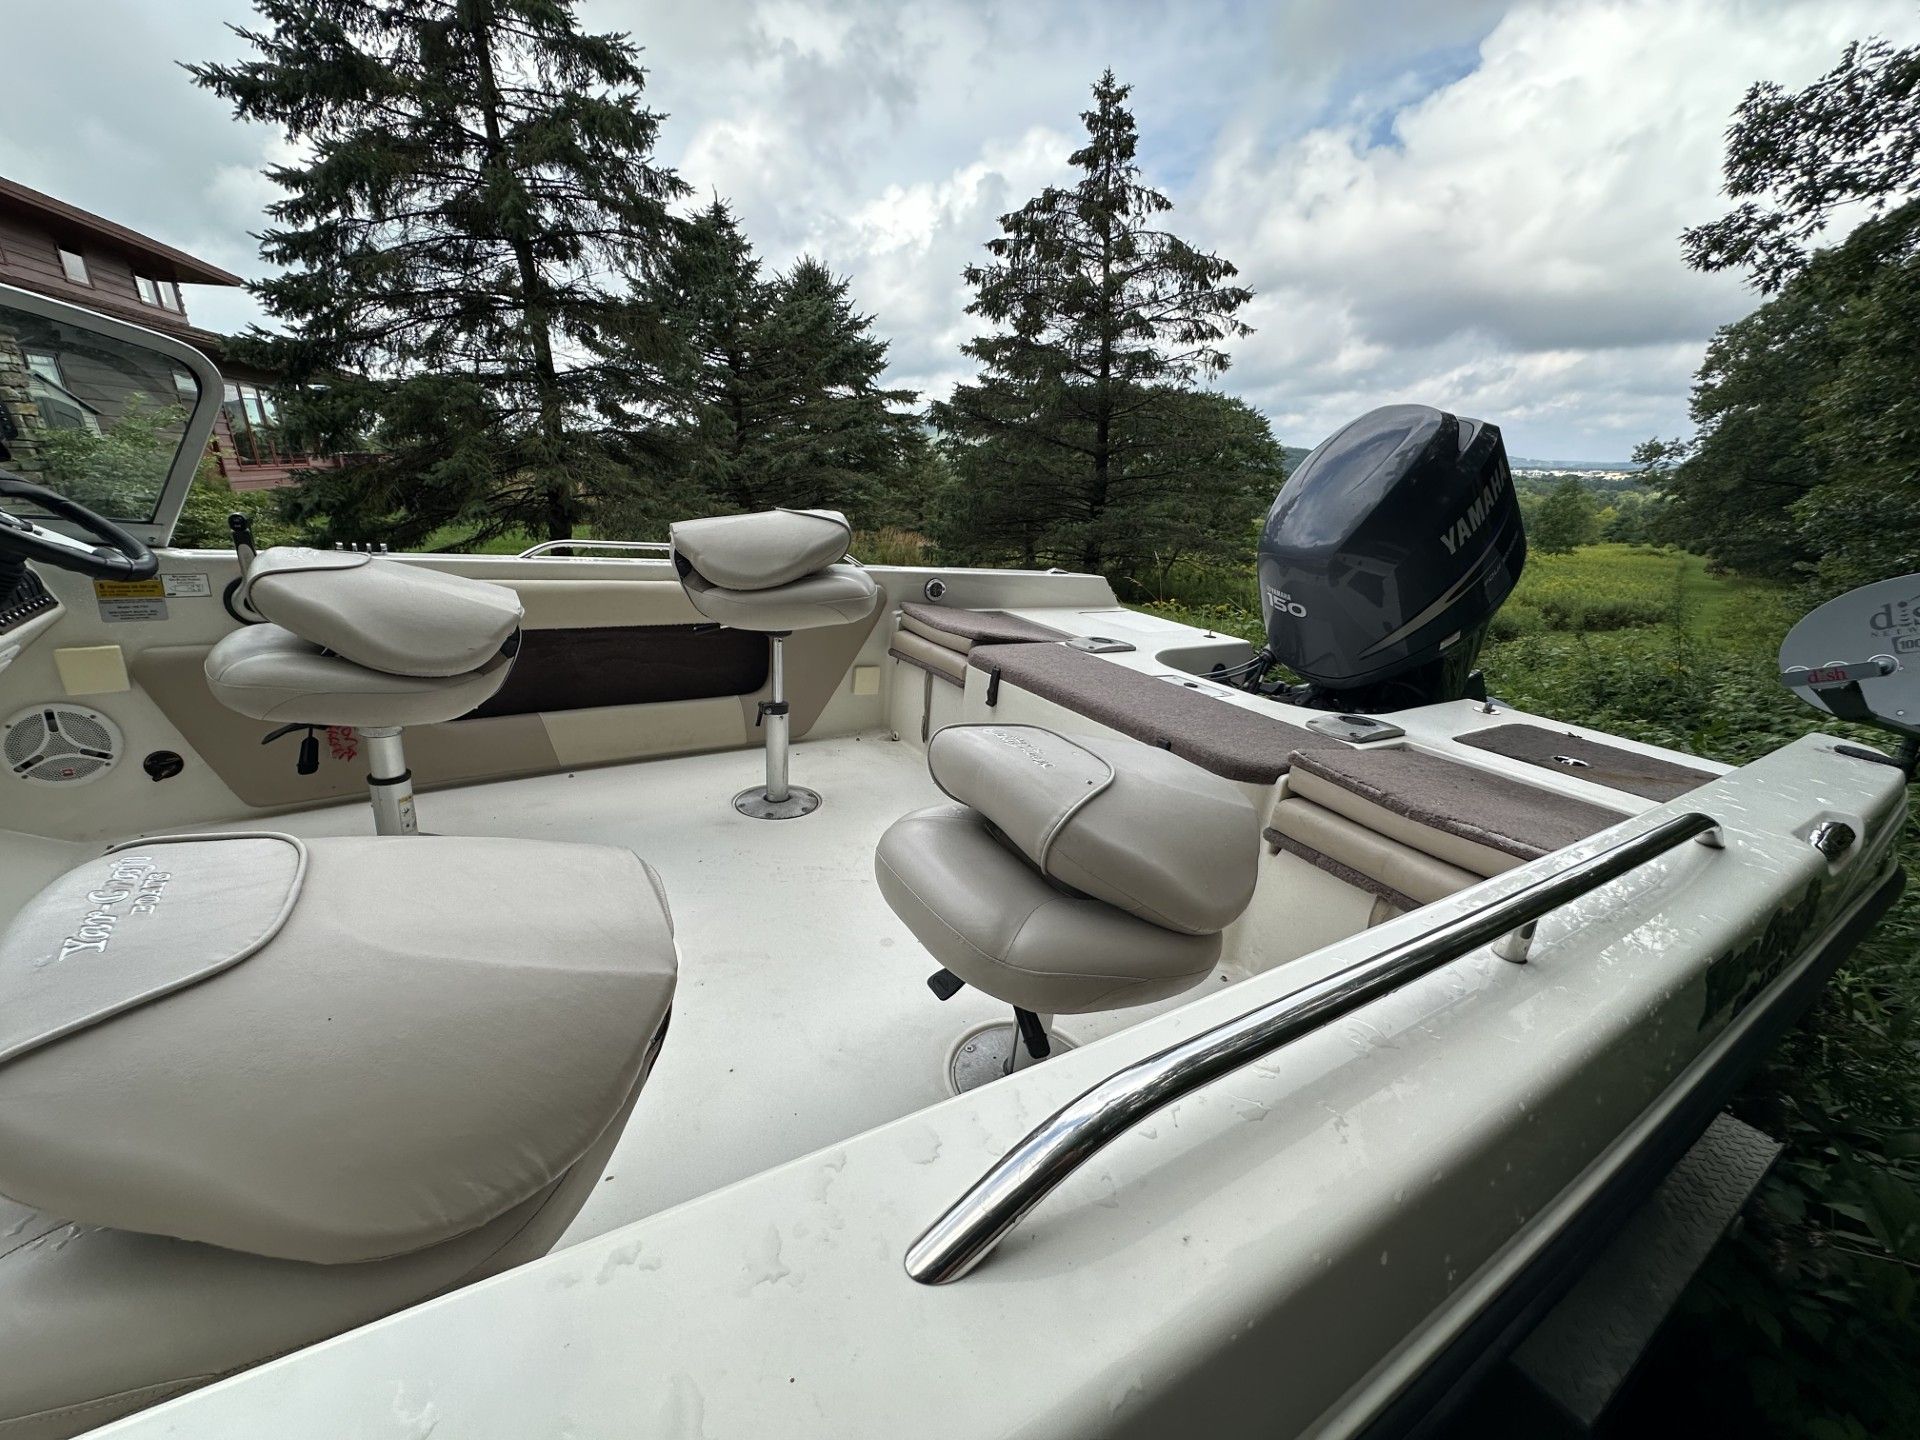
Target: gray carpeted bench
<point>1412,828</point>
<point>1229,740</point>
<point>1647,776</point>
<point>938,638</point>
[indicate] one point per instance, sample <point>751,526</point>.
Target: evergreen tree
<point>1069,444</point>
<point>471,171</point>
<point>775,396</point>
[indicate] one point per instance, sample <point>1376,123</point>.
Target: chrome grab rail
<point>1028,1173</point>
<point>551,545</point>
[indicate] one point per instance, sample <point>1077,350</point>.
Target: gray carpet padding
<point>1636,774</point>
<point>1230,740</point>
<point>1476,805</point>
<point>982,627</point>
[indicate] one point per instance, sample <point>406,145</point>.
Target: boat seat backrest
<point>391,617</point>
<point>1133,826</point>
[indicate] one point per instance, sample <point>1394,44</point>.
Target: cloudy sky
<point>1461,202</point>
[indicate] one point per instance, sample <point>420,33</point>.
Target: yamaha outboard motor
<point>1386,554</point>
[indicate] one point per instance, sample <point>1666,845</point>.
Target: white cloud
<point>1473,203</point>
<point>1509,241</point>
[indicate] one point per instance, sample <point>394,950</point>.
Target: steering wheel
<point>117,556</point>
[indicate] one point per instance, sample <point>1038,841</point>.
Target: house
<point>68,253</point>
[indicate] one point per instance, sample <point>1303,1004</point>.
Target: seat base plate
<point>754,803</point>
<point>981,1054</point>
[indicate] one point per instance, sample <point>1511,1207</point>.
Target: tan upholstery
<point>383,614</point>
<point>278,1047</point>
<point>934,634</point>
<point>995,922</point>
<point>761,551</point>
<point>916,649</point>
<point>1125,823</point>
<point>837,595</point>
<point>245,1061</point>
<point>1075,874</point>
<point>95,1324</point>
<point>273,674</point>
<point>1365,859</point>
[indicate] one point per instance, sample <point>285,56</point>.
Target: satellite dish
<point>1858,656</point>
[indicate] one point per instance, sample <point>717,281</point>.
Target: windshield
<point>98,419</point>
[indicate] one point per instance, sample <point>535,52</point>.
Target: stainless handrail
<point>545,546</point>
<point>1072,1135</point>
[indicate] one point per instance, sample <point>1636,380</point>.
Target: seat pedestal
<point>777,800</point>
<point>389,782</point>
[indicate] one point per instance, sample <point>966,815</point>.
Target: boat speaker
<point>59,744</point>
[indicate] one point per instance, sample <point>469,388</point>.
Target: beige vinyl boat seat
<point>1233,741</point>
<point>366,642</point>
<point>938,638</point>
<point>1410,828</point>
<point>1070,874</point>
<point>774,571</point>
<point>253,1094</point>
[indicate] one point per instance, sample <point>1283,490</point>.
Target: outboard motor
<point>1384,557</point>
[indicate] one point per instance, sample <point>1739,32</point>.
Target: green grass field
<point>1805,1321</point>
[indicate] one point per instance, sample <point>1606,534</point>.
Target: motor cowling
<point>1385,556</point>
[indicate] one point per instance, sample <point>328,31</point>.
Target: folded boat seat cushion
<point>1070,874</point>
<point>1412,828</point>
<point>1231,740</point>
<point>362,640</point>
<point>254,1090</point>
<point>938,638</point>
<point>773,570</point>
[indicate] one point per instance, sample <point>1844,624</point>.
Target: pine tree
<point>1102,320</point>
<point>775,391</point>
<point>472,175</point>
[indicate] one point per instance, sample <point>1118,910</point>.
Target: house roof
<point>167,262</point>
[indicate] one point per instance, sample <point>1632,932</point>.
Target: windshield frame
<point>156,529</point>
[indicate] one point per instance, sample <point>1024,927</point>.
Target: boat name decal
<point>133,883</point>
<point>1029,751</point>
<point>1736,979</point>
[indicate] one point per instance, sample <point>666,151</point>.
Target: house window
<point>59,407</point>
<point>74,266</point>
<point>251,417</point>
<point>163,293</point>
<point>185,386</point>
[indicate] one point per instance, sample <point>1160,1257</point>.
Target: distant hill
<point>1521,463</point>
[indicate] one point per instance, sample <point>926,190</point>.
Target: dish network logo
<point>1901,620</point>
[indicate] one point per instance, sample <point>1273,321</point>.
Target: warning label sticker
<point>178,586</point>
<point>152,589</point>
<point>114,611</point>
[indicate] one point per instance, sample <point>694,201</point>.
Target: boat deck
<point>801,1016</point>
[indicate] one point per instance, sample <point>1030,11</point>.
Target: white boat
<point>1341,1040</point>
